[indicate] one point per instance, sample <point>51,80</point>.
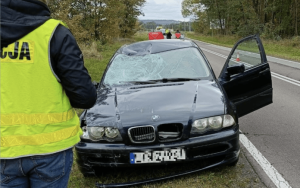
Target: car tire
<point>234,163</point>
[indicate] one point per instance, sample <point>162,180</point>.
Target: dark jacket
<point>169,35</point>
<point>20,17</point>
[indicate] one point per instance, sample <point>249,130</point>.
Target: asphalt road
<point>275,129</point>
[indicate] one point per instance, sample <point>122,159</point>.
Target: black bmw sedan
<point>159,102</point>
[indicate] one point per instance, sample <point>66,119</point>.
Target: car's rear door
<point>251,89</point>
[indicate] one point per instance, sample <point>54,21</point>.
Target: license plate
<point>157,156</point>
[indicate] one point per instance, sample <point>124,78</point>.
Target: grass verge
<point>285,48</point>
<point>241,176</point>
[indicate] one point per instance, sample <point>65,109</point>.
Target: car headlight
<point>96,133</point>
<point>228,121</point>
<point>101,133</point>
<point>200,124</point>
<point>215,122</point>
<point>111,132</point>
<point>212,123</point>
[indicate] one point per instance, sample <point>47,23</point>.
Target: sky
<point>162,10</point>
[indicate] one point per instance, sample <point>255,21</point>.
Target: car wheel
<point>234,163</point>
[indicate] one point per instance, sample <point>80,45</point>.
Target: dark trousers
<point>40,171</point>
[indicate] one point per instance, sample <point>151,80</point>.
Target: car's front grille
<point>169,132</point>
<point>142,134</point>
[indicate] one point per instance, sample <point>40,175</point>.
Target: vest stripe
<point>40,139</point>
<point>33,119</point>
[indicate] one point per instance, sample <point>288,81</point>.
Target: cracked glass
<point>181,63</point>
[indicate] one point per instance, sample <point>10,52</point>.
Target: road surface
<point>274,130</point>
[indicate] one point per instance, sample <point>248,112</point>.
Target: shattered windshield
<point>181,63</point>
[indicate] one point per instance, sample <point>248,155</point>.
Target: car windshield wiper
<point>175,79</point>
<point>139,82</point>
<point>160,80</point>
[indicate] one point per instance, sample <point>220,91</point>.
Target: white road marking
<point>286,77</point>
<point>275,75</point>
<point>215,53</point>
<point>269,169</point>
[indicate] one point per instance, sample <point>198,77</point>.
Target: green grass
<point>240,176</point>
<point>285,48</point>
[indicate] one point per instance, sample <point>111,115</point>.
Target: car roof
<point>154,46</point>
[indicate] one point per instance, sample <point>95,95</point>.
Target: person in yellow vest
<point>169,34</point>
<point>42,78</point>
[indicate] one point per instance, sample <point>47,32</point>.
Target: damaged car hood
<point>155,104</point>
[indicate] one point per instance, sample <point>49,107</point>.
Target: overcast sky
<point>162,10</point>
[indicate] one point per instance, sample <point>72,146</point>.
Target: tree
<point>130,12</point>
<point>62,10</point>
<point>271,18</point>
<point>101,20</point>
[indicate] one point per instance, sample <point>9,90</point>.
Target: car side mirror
<point>236,69</point>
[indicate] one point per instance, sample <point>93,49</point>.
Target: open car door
<point>246,76</point>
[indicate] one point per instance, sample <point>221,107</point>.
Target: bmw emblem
<point>155,117</point>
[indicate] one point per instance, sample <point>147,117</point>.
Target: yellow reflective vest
<point>36,115</point>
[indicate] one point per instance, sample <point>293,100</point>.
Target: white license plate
<point>157,156</point>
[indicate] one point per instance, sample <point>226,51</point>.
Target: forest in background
<point>272,19</point>
<point>98,20</point>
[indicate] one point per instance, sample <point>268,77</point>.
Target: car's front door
<point>246,76</point>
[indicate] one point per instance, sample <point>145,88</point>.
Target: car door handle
<point>264,71</point>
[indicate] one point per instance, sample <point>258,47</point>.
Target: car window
<point>247,53</point>
<point>181,63</point>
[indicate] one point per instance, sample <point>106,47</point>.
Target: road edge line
<point>284,77</point>
<point>268,168</point>
<point>275,76</point>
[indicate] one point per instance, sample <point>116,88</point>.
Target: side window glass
<point>247,53</point>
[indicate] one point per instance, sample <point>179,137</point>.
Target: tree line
<point>273,19</point>
<point>100,20</point>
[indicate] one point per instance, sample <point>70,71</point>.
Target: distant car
<point>159,102</point>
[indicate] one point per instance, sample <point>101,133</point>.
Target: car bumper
<point>224,144</point>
